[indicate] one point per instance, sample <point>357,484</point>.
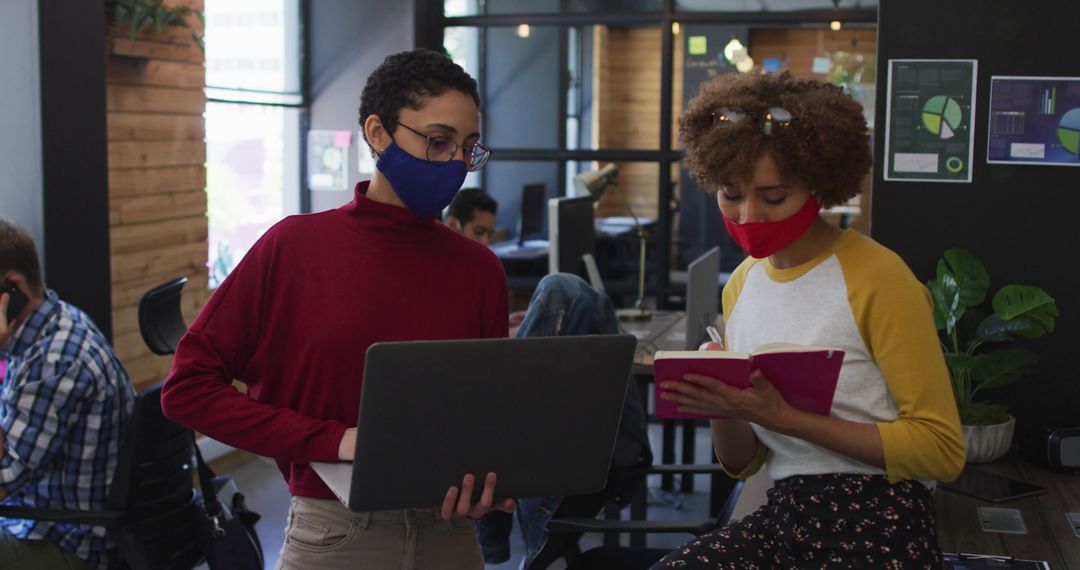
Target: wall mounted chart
<point>1034,120</point>
<point>929,113</point>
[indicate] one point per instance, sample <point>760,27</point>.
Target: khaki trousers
<point>36,555</point>
<point>325,535</point>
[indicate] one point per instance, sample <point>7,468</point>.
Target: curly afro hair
<point>826,147</point>
<point>404,78</point>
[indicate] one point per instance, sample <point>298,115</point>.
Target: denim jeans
<point>564,305</point>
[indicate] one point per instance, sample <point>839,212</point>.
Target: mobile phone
<point>990,487</point>
<point>994,519</point>
<point>17,300</point>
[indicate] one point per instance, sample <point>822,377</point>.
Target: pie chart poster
<point>1034,120</point>
<point>929,131</point>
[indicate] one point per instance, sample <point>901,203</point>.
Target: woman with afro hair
<point>852,489</point>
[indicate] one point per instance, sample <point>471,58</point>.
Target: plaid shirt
<point>64,403</point>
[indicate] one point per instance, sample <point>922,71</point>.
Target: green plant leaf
<point>947,306</point>
<point>1013,301</point>
<point>970,275</point>
<point>994,329</point>
<point>1002,367</point>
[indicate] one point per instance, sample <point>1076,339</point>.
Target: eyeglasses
<point>775,121</point>
<point>443,149</point>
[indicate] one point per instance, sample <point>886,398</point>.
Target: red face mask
<point>762,239</point>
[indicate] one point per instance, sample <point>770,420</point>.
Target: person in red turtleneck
<point>295,318</point>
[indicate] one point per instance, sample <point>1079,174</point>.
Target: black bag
<point>227,527</point>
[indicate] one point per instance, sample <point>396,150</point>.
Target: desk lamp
<point>594,183</point>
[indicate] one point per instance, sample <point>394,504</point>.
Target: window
<point>252,123</point>
<point>567,86</point>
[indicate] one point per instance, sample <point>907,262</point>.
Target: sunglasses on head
<point>774,120</point>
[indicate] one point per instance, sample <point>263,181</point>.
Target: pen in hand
<point>715,336</point>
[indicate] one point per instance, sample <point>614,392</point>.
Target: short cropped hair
<point>826,147</point>
<point>468,201</point>
<point>17,253</point>
<point>403,78</point>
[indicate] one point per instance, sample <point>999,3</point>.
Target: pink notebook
<point>805,375</point>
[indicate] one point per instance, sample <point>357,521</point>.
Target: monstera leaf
<point>947,305</point>
<point>970,275</point>
<point>959,363</point>
<point>1003,367</point>
<point>995,329</point>
<point>1015,301</point>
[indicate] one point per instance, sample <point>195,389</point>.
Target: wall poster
<point>1034,120</point>
<point>930,106</point>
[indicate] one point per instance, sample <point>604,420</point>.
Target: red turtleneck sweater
<point>295,318</point>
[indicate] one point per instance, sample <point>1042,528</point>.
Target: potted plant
<point>140,14</point>
<point>967,334</point>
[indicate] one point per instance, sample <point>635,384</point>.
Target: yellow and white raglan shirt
<point>860,297</point>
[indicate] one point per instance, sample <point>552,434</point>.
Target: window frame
<point>431,22</point>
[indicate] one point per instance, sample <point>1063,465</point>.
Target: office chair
<point>150,511</point>
<point>160,319</point>
<point>636,556</point>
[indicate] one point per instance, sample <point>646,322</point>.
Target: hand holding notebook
<point>805,376</point>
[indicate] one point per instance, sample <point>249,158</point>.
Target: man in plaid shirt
<point>64,405</point>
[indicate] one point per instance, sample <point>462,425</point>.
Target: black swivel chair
<point>160,319</point>
<point>150,511</point>
<point>614,557</point>
<point>577,515</point>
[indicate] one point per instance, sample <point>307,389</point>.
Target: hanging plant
<point>141,14</point>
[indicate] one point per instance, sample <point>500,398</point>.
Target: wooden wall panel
<point>154,99</point>
<point>157,180</point>
<point>155,127</point>
<point>143,181</point>
<point>627,110</point>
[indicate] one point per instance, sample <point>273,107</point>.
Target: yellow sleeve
<point>753,467</point>
<point>893,311</point>
<point>732,289</point>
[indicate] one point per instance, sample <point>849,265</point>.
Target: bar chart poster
<point>1034,120</point>
<point>929,113</point>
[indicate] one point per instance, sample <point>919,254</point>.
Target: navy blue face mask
<point>425,187</point>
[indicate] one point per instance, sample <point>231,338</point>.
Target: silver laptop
<point>542,413</point>
<point>702,296</point>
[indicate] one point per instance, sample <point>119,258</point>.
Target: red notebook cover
<point>806,377</point>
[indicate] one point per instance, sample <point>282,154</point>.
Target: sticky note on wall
<point>698,45</point>
<point>822,65</point>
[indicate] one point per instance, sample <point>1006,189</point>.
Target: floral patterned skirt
<point>824,521</point>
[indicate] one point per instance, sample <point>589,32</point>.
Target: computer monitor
<point>531,224</point>
<point>702,296</point>
<point>570,233</point>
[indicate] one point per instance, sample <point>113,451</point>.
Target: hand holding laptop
<point>346,449</point>
<point>458,502</point>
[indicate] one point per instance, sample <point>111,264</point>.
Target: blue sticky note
<point>771,64</point>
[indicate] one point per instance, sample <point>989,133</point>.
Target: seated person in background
<point>473,213</point>
<point>852,489</point>
<point>64,407</point>
<point>566,305</point>
<point>295,318</point>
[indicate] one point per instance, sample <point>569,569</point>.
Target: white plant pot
<point>987,443</point>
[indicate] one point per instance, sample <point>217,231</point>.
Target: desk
<point>1049,536</point>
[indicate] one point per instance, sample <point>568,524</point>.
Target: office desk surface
<point>1049,536</point>
<point>666,330</point>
